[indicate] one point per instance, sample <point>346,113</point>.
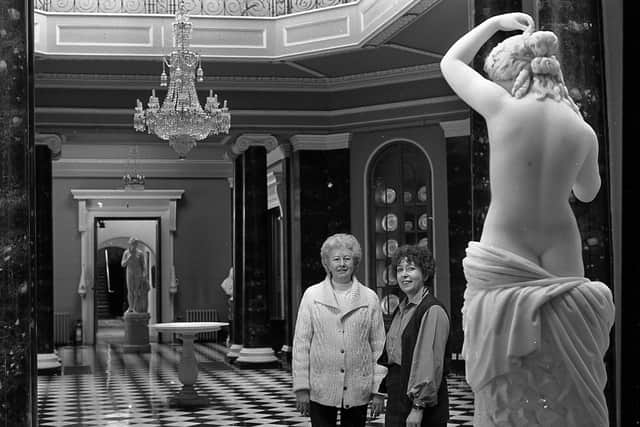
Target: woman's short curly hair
<point>418,255</point>
<point>339,241</point>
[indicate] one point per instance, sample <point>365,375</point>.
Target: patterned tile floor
<point>101,386</point>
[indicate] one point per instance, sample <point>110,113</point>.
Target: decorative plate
<point>390,196</point>
<point>389,303</point>
<point>424,242</point>
<point>386,196</point>
<point>389,222</point>
<point>388,276</point>
<point>422,193</point>
<point>408,226</point>
<point>408,197</point>
<point>423,222</point>
<point>390,247</point>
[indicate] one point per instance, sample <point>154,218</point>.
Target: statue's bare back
<point>541,149</point>
<point>538,149</point>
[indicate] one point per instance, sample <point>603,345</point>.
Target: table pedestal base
<point>188,366</point>
<point>188,398</point>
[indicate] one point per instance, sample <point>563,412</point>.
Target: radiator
<point>61,328</point>
<point>203,315</point>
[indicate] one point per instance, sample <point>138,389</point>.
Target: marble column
<point>18,348</point>
<point>578,25</point>
<point>44,250</point>
<point>322,200</point>
<point>257,350</point>
<point>458,147</point>
<point>238,270</point>
<point>48,147</point>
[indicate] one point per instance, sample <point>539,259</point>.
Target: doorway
<point>110,284</point>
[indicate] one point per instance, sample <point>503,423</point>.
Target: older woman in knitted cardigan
<point>338,339</point>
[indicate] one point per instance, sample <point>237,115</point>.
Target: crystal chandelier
<point>181,120</point>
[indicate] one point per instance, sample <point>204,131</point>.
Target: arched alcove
<point>400,205</point>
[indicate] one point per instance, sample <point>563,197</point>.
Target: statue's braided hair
<point>530,60</point>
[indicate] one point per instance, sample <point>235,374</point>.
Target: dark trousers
<point>398,404</point>
<point>326,416</point>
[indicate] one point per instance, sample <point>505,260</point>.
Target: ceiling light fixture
<point>181,120</point>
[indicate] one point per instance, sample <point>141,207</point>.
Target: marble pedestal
<point>136,333</point>
<point>188,367</point>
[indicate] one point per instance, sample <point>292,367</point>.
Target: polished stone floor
<point>101,386</point>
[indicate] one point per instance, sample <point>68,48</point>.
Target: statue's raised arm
<point>481,94</point>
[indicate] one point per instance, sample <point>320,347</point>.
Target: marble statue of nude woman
<point>133,259</point>
<point>536,329</point>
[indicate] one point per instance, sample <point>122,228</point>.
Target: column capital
<point>282,151</point>
<point>246,140</point>
<point>334,141</point>
<point>52,140</point>
<point>455,128</point>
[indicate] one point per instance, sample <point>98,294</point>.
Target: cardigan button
<point>342,350</point>
<point>341,370</point>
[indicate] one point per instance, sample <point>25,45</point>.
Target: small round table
<point>188,367</point>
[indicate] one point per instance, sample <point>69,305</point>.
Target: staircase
<point>100,290</point>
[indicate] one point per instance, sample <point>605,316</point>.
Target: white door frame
<point>125,203</point>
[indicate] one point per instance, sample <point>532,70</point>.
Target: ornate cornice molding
<point>152,168</point>
<point>267,83</point>
<point>426,110</point>
<point>246,140</point>
<point>52,140</point>
<point>119,194</point>
<point>334,141</point>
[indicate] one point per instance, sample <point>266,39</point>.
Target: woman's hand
<point>415,418</point>
<point>302,402</point>
<point>377,405</point>
<point>515,21</point>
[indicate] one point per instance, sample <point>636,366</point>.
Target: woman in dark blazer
<point>417,347</point>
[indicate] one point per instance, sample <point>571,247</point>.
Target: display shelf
<point>400,195</point>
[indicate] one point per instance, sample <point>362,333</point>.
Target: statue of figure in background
<point>133,260</point>
<point>227,287</point>
<point>227,284</point>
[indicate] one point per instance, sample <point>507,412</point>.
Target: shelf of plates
<point>400,200</point>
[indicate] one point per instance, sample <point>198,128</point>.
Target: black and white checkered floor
<point>101,386</point>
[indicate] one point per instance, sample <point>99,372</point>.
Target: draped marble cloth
<point>533,342</point>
